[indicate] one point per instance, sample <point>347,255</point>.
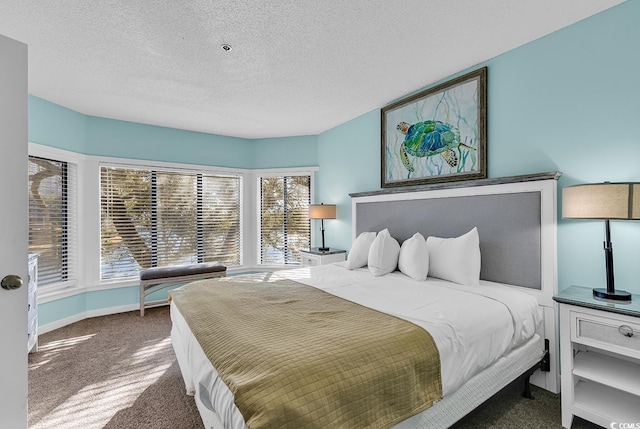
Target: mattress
<point>473,328</point>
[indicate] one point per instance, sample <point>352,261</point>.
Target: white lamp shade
<point>322,211</point>
<point>601,201</point>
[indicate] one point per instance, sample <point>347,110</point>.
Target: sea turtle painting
<point>429,138</point>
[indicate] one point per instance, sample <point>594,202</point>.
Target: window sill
<point>67,289</point>
<point>57,291</point>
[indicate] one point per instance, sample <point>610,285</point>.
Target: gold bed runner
<point>297,357</point>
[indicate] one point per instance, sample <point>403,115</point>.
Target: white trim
<point>58,291</point>
<point>286,171</point>
<point>164,165</point>
<point>43,329</point>
<point>36,149</point>
<point>74,255</point>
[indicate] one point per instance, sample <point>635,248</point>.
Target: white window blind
<point>52,223</point>
<point>284,218</point>
<point>153,218</point>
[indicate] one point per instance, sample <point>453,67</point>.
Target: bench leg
<point>141,299</point>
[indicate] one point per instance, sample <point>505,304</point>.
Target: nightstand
<point>599,358</point>
<point>314,256</point>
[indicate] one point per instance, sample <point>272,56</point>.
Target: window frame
<point>270,173</point>
<point>85,264</point>
<point>197,170</point>
<point>72,203</point>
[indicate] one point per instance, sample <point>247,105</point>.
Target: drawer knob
<point>626,330</point>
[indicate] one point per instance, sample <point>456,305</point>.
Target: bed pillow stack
<point>414,257</point>
<point>383,254</point>
<point>456,259</point>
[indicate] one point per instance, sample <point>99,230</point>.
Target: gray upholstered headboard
<point>507,214</point>
<point>508,226</point>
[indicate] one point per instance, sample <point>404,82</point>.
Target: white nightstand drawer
<point>314,257</point>
<point>310,261</point>
<point>603,332</point>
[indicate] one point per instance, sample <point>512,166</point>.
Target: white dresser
<point>600,358</point>
<point>32,305</point>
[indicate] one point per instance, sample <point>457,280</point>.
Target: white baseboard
<point>43,329</point>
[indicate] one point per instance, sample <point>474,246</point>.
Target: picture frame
<point>437,135</point>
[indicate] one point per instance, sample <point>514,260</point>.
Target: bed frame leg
<point>543,365</point>
<point>527,389</point>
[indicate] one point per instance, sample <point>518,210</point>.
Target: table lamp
<point>605,201</point>
<point>322,212</point>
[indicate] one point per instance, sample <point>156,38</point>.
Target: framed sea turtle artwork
<point>437,135</point>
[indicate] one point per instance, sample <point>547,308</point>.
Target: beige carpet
<point>120,371</point>
<point>115,371</point>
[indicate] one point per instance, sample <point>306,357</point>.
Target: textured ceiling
<point>297,67</point>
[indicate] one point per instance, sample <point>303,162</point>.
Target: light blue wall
<point>70,306</point>
<point>61,309</point>
<point>285,152</point>
<point>56,126</point>
<point>566,102</point>
<point>349,160</point>
<point>121,139</point>
<point>53,125</point>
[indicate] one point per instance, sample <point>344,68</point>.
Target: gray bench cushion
<point>167,273</point>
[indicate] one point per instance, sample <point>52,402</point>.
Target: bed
<point>486,336</point>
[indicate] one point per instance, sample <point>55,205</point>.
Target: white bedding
<point>471,326</point>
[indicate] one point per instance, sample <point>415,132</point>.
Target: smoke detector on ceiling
<point>225,47</point>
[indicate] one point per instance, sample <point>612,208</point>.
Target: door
<point>13,232</point>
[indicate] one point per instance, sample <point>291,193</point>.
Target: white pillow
<point>456,259</point>
<point>414,257</point>
<point>359,253</point>
<point>383,254</point>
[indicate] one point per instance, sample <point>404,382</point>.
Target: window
<point>51,217</point>
<point>284,218</point>
<point>154,218</point>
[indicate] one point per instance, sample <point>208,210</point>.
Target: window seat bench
<point>155,279</point>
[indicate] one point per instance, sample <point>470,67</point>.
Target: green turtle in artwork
<point>429,138</point>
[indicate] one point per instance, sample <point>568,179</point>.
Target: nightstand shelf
<point>602,405</point>
<point>614,372</point>
<point>314,256</point>
<point>600,358</point>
